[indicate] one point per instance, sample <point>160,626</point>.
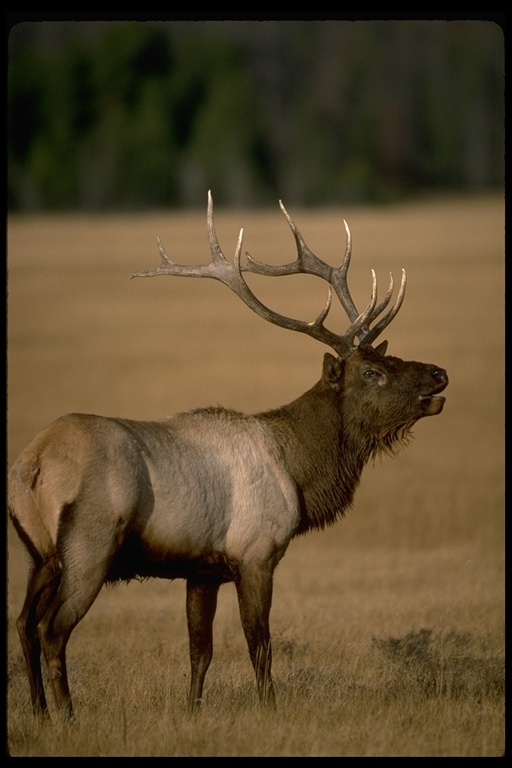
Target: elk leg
<point>43,582</point>
<point>77,592</point>
<point>254,588</point>
<point>201,606</point>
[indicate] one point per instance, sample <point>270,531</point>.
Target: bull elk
<point>209,495</point>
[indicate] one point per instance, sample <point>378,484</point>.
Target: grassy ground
<point>389,627</point>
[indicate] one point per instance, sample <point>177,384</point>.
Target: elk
<point>209,495</point>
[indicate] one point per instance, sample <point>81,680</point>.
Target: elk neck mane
<point>326,470</point>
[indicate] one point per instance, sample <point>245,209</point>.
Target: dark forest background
<point>130,115</point>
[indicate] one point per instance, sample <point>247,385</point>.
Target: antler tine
<point>371,334</point>
<point>381,306</point>
<point>362,320</point>
<point>339,277</point>
<point>306,261</point>
<point>217,255</point>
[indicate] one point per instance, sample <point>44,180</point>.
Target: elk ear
<point>381,349</point>
<point>331,373</point>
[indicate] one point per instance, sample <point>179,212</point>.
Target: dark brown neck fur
<point>324,465</point>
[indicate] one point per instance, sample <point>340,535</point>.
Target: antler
<point>310,264</point>
<point>230,273</point>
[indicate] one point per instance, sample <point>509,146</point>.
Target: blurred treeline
<point>124,115</point>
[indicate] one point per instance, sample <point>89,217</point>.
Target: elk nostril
<point>439,374</point>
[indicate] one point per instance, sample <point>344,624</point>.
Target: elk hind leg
<point>201,607</point>
<point>78,589</point>
<point>43,583</point>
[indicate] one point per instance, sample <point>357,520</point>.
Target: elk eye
<point>370,373</point>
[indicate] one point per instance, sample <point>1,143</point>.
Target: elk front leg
<point>201,607</point>
<point>254,588</point>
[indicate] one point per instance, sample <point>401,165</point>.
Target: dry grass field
<point>388,627</point>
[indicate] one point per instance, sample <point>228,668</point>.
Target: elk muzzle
<point>431,402</point>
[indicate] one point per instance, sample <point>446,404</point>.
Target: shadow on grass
<point>443,664</point>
